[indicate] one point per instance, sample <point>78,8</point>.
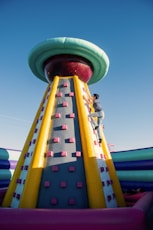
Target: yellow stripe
<point>31,189</point>
<point>94,186</point>
<point>8,196</point>
<point>116,185</point>
<point>112,172</point>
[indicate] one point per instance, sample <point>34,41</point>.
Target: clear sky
<point>122,28</point>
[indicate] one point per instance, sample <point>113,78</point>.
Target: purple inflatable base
<point>92,219</point>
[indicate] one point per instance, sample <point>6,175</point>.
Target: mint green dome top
<point>66,45</point>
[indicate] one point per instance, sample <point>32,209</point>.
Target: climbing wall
<point>62,165</point>
<point>63,182</point>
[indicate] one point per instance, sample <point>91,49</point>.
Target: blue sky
<point>122,28</point>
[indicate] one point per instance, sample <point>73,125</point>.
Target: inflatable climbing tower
<point>64,176</point>
<point>62,164</point>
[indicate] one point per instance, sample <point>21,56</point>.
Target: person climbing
<point>98,112</point>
